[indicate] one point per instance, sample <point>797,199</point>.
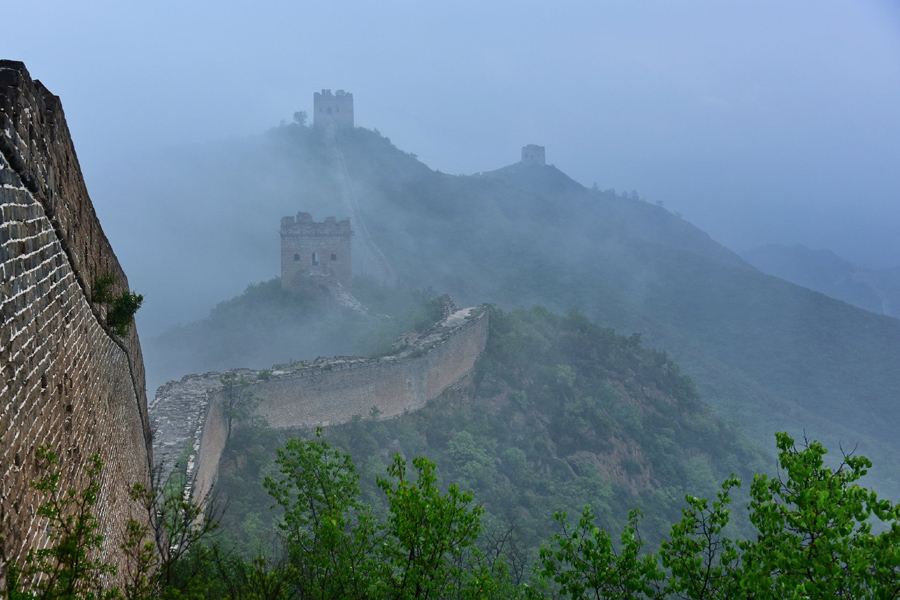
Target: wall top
<point>304,223</point>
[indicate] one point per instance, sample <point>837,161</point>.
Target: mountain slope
<point>876,290</point>
<point>768,353</point>
<point>561,413</point>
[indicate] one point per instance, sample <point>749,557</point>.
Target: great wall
<point>76,385</point>
<point>189,413</point>
<point>69,382</point>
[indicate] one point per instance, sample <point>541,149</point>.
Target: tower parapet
<point>310,249</point>
<point>533,154</point>
<point>334,108</point>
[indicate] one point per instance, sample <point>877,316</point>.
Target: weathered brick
<point>66,380</point>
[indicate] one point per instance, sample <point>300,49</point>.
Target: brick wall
<point>67,382</point>
<point>326,392</point>
<point>334,394</point>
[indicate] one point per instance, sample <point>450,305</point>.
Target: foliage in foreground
<point>815,538</point>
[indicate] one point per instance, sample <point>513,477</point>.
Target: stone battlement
<point>303,224</point>
<point>533,154</point>
<point>323,392</point>
<point>333,109</point>
<point>311,249</point>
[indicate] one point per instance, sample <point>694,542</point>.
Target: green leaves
<point>427,532</point>
<point>815,529</point>
<point>584,564</point>
<point>814,540</point>
<point>121,308</point>
<point>69,566</point>
<point>330,534</point>
<point>339,550</point>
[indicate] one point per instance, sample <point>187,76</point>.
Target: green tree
<point>337,549</point>
<point>427,531</point>
<point>238,403</point>
<point>815,530</point>
<point>702,562</point>
<point>70,567</point>
<point>814,539</point>
<point>166,555</point>
<point>583,562</point>
<point>330,534</point>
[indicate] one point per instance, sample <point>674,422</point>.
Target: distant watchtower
<point>532,154</point>
<point>310,250</point>
<point>334,108</point>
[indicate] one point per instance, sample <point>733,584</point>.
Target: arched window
<point>334,257</point>
<point>315,259</point>
<point>329,110</point>
<point>297,257</point>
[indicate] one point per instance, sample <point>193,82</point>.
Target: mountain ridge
<point>763,351</point>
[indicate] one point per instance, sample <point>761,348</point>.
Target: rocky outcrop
<point>68,381</point>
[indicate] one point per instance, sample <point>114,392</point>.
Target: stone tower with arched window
<point>310,251</point>
<point>334,108</point>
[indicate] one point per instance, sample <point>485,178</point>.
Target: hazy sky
<point>763,121</point>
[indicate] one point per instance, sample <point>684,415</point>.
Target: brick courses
<point>67,381</point>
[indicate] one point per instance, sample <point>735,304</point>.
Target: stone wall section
<point>322,393</point>
<point>337,391</point>
<point>203,467</point>
<point>67,381</point>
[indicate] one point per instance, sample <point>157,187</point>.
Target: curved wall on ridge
<point>325,392</point>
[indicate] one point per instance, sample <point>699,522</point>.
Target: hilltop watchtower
<point>334,108</point>
<point>310,250</point>
<point>533,154</point>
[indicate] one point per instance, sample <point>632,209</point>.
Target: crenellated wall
<point>67,381</point>
<point>336,109</point>
<point>325,392</point>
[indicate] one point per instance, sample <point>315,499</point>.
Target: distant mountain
<point>764,352</point>
<point>876,290</point>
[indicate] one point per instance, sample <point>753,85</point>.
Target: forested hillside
<point>764,352</point>
<point>561,413</point>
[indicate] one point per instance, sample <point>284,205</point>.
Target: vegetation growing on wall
<point>120,308</point>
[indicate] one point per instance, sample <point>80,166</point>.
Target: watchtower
<point>310,250</point>
<point>532,154</point>
<point>334,108</point>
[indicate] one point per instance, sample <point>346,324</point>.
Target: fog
<point>758,122</point>
<point>683,138</point>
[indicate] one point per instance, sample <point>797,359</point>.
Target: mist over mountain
<point>764,352</point>
<point>876,290</point>
<point>559,413</point>
<point>626,352</point>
